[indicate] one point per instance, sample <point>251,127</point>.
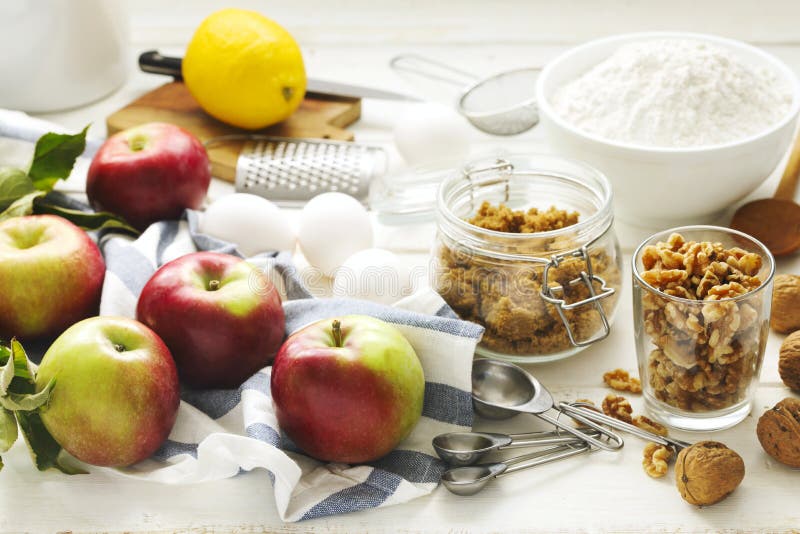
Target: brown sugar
<point>501,218</point>
<point>504,295</point>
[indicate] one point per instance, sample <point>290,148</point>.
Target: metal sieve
<point>502,104</point>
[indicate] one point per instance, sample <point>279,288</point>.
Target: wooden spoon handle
<point>791,174</point>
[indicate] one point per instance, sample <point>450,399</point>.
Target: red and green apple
<point>51,276</point>
<point>221,317</point>
<point>149,173</point>
<point>116,392</point>
<point>347,389</point>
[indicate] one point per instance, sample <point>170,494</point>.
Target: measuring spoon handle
<point>533,439</point>
<point>615,442</point>
<point>621,425</point>
<point>543,457</point>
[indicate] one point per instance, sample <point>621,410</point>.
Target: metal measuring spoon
<point>588,411</point>
<point>466,448</point>
<point>469,480</point>
<point>501,390</point>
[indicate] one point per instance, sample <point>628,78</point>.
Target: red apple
<point>348,389</point>
<point>51,276</point>
<point>149,173</point>
<point>116,392</point>
<point>220,317</point>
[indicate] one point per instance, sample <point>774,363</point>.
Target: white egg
<point>374,274</point>
<point>253,223</point>
<point>333,226</point>
<point>432,132</point>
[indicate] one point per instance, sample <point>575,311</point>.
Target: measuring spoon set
<point>501,390</point>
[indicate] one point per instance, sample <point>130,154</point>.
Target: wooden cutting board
<point>320,117</point>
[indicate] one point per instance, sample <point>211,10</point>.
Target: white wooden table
<point>352,40</point>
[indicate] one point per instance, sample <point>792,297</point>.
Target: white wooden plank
<point>477,21</point>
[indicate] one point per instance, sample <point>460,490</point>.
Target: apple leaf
<point>21,410</point>
<point>27,402</point>
<point>7,371</point>
<point>22,367</point>
<point>8,429</point>
<point>21,206</point>
<point>14,184</point>
<point>45,451</point>
<point>54,157</point>
<point>86,219</point>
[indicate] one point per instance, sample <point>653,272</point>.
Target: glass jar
<point>701,305</point>
<point>541,296</point>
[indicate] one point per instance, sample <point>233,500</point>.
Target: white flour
<point>674,93</point>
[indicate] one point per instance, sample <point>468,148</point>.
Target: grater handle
<point>153,62</point>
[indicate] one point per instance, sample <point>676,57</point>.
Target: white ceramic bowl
<point>661,187</point>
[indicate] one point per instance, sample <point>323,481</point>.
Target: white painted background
<point>352,41</point>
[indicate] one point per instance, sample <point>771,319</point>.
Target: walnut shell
<point>789,361</point>
<point>785,304</point>
<point>778,431</point>
<point>707,472</point>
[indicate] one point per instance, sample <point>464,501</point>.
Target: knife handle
<point>154,63</point>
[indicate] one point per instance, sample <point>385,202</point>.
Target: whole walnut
<point>789,361</point>
<point>778,431</point>
<point>707,472</point>
<point>786,304</point>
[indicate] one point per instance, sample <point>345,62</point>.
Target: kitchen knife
<point>153,62</point>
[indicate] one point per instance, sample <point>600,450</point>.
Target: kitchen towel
<point>221,433</point>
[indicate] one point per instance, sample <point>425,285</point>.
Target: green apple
<point>116,392</point>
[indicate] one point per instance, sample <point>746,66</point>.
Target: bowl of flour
<point>683,124</point>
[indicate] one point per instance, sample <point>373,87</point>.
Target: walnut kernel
<point>785,303</point>
<point>656,459</point>
<point>789,361</point>
<point>645,423</point>
<point>621,380</point>
<point>707,472</point>
<point>778,431</point>
<point>618,408</point>
<point>705,351</point>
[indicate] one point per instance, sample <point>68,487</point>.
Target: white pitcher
<point>59,54</point>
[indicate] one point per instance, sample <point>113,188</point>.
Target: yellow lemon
<point>244,69</point>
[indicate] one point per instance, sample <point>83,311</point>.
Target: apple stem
<point>213,285</point>
<point>137,142</point>
<point>118,347</point>
<point>337,332</point>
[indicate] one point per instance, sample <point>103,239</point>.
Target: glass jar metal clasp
<point>555,294</point>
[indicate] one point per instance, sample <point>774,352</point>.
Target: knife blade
<point>153,62</point>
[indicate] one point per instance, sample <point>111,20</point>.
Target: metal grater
<point>292,171</point>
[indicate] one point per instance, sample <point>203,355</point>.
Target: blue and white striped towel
<point>220,433</point>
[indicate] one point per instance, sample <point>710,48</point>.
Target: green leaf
<point>86,220</point>
<point>45,451</point>
<point>7,373</point>
<point>14,184</point>
<point>22,368</point>
<point>27,402</point>
<point>8,430</point>
<point>54,157</point>
<point>22,206</point>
